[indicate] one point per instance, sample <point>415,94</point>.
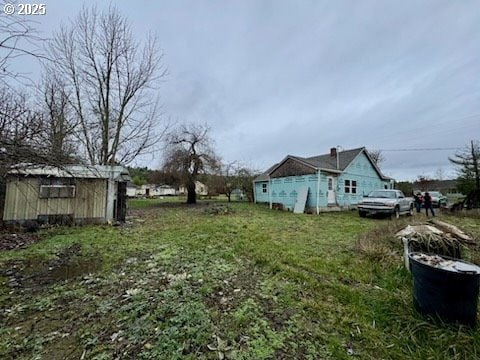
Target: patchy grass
<point>194,282</point>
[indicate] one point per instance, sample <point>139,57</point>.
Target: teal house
<point>338,179</point>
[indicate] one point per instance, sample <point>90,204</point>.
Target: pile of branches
<point>443,239</point>
<point>432,243</point>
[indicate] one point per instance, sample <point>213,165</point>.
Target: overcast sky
<point>273,78</point>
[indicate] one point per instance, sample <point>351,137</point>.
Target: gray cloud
<point>280,77</point>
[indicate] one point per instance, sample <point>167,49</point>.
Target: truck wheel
<point>396,213</point>
<point>410,211</point>
<point>362,213</point>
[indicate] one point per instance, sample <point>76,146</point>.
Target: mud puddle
<point>34,273</point>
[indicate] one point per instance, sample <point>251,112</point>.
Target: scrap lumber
<point>453,230</point>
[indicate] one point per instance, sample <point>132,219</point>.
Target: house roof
<point>264,175</point>
<point>326,162</point>
<point>113,172</point>
<point>329,162</point>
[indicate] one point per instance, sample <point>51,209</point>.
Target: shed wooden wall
<point>22,200</point>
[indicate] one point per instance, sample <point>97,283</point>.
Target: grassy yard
<point>213,281</point>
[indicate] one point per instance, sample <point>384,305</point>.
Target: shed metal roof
<point>113,172</point>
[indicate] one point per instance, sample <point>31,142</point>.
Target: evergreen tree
<point>468,167</point>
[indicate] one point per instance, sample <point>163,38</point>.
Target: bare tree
<point>33,133</point>
<point>439,174</point>
<point>377,156</point>
<point>21,132</point>
<point>234,176</point>
<point>227,177</point>
<point>111,81</point>
<point>189,152</point>
<point>60,122</point>
<point>18,38</point>
<point>424,182</point>
<point>245,176</point>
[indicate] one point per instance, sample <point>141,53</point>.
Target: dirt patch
<point>16,240</point>
<point>218,209</point>
<point>230,292</point>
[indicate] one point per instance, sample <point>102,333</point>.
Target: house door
<point>331,190</point>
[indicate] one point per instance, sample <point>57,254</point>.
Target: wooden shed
<point>73,194</point>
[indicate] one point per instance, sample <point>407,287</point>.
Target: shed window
<point>57,191</point>
<point>350,186</point>
<point>264,188</point>
<point>52,187</point>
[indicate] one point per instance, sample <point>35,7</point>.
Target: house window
<point>264,188</point>
<point>330,184</point>
<point>350,186</point>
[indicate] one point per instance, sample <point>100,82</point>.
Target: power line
<point>424,149</point>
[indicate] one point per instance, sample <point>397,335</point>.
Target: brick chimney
<point>333,152</point>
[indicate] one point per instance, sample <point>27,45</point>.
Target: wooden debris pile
<point>434,237</point>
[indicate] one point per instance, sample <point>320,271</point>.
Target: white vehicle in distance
<point>386,202</point>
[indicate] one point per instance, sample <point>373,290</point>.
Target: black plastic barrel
<point>450,295</point>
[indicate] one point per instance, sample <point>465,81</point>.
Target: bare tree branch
<point>23,133</point>
<point>18,38</point>
<point>377,156</point>
<point>189,152</point>
<point>112,80</point>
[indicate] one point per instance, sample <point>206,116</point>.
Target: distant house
<point>238,194</point>
<point>200,189</point>
<point>336,179</point>
<point>131,190</point>
<point>164,190</point>
<point>74,194</point>
<point>144,190</point>
<point>149,190</point>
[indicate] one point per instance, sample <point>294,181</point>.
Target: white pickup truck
<point>389,202</point>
